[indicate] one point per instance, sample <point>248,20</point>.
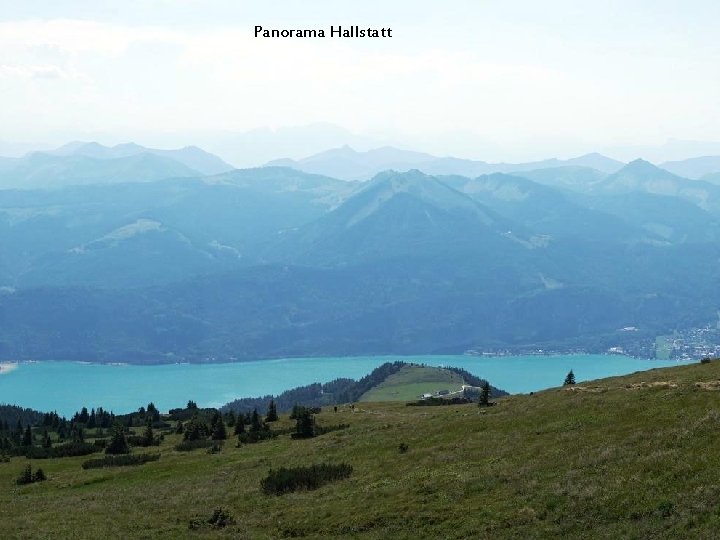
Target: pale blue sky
<point>483,79</point>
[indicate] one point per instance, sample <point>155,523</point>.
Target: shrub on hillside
<point>70,449</point>
<point>28,477</point>
<point>142,441</point>
<point>122,460</point>
<point>118,443</point>
<point>251,437</point>
<point>187,446</point>
<point>286,480</point>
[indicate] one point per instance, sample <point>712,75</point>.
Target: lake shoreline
<point>67,386</point>
<point>7,367</point>
<point>400,357</point>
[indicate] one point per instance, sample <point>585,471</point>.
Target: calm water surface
<point>68,386</point>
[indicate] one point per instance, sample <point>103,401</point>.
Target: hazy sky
<point>483,79</point>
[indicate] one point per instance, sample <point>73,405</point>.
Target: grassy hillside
<point>626,457</point>
<point>411,382</point>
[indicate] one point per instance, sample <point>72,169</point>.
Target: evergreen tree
<point>26,477</point>
<point>27,437</point>
<point>239,425</point>
<point>148,435</point>
<point>18,434</point>
<point>255,424</point>
<point>118,443</point>
<point>47,442</point>
<point>272,415</point>
<point>230,419</point>
<point>484,394</point>
<point>569,378</point>
<point>78,434</point>
<point>153,412</point>
<point>305,424</point>
<point>219,433</point>
<point>195,429</point>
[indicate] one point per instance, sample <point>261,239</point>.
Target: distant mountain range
<point>191,156</point>
<point>347,164</point>
<point>91,163</point>
<point>274,261</point>
<point>702,168</point>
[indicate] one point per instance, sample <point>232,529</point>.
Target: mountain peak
<point>643,167</point>
<point>413,175</point>
<point>415,184</point>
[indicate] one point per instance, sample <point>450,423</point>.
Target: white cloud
<point>76,36</point>
<point>508,76</point>
<point>32,71</point>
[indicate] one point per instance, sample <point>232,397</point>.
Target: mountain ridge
<point>347,164</point>
<point>191,156</point>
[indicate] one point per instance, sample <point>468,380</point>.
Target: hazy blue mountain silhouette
<point>191,156</point>
<point>349,164</point>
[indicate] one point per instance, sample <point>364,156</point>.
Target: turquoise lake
<point>68,386</point>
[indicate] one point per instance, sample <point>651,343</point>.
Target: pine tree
<point>118,443</point>
<point>18,433</point>
<point>305,424</point>
<point>148,435</point>
<point>230,419</point>
<point>26,477</point>
<point>569,378</point>
<point>39,476</point>
<point>484,400</point>
<point>239,425</point>
<point>272,415</point>
<point>47,442</point>
<point>219,433</point>
<point>27,437</point>
<point>255,424</point>
<point>195,429</point>
<point>153,411</point>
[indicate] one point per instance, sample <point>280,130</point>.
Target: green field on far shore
<point>411,382</point>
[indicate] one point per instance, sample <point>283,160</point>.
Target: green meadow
<point>626,457</point>
<point>412,381</point>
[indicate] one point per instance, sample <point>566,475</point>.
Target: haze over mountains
<point>91,163</point>
<point>348,164</point>
<point>177,265</point>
